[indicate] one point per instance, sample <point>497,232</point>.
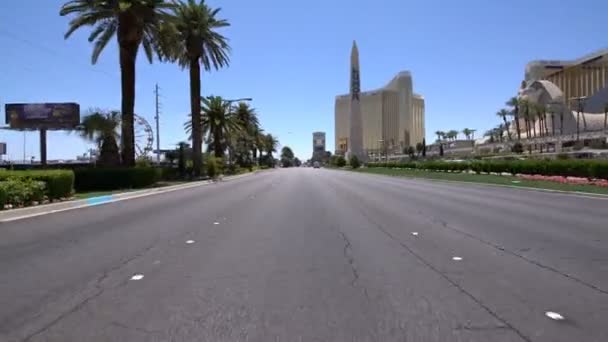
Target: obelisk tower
<point>355,141</point>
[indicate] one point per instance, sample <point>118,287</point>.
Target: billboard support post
<point>43,146</point>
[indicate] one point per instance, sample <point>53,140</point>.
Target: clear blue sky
<point>467,57</point>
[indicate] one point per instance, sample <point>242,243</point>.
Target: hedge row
<point>21,191</point>
<point>58,183</point>
<point>567,168</point>
<point>94,179</point>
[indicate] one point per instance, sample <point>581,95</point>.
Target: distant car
<point>316,165</point>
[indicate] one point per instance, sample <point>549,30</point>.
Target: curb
<point>23,213</point>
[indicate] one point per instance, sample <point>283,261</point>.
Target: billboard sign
<point>42,115</point>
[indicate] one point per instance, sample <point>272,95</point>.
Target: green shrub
<point>94,179</point>
<point>354,162</point>
<point>213,169</point>
<point>20,191</point>
<point>517,148</point>
<point>340,161</point>
<point>59,183</point>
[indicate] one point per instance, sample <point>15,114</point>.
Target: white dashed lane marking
<point>190,242</point>
<point>456,258</point>
<point>216,223</point>
<point>554,315</point>
<point>137,277</point>
<point>415,233</point>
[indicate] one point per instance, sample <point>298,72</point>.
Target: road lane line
<point>137,277</point>
<point>554,316</point>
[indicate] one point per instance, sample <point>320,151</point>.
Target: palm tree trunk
<point>128,56</point>
<point>195,109</point>
<point>561,122</point>
<point>553,124</point>
<point>217,144</point>
<point>605,118</point>
<point>517,123</point>
<point>504,118</point>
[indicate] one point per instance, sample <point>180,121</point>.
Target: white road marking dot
<point>216,223</point>
<point>190,241</point>
<point>456,258</point>
<point>415,233</point>
<point>137,277</point>
<point>554,315</point>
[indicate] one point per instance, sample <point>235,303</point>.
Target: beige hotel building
<point>393,118</point>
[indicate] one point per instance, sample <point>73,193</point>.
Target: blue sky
<point>467,57</point>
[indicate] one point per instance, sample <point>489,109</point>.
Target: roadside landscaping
<point>565,175</point>
<point>34,187</point>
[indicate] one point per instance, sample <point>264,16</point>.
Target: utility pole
<point>157,118</point>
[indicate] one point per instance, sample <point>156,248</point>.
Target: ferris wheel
<point>144,136</point>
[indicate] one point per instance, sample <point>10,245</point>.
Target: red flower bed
<point>567,180</point>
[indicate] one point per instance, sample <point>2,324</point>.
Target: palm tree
<point>503,113</point>
<point>524,107</point>
<point>467,133</point>
<point>258,142</point>
<point>270,144</point>
<point>218,123</point>
<point>102,128</point>
<point>452,134</point>
<point>440,135</point>
<point>514,103</point>
<point>135,23</point>
<point>250,125</point>
<point>189,37</point>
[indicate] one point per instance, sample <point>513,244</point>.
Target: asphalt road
<point>312,255</point>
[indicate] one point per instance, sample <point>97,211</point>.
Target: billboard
<point>42,115</point>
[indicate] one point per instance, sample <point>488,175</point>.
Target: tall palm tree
<point>524,108</point>
<point>270,144</point>
<point>218,123</point>
<point>503,113</point>
<point>101,127</point>
<point>452,134</point>
<point>515,105</point>
<point>250,124</point>
<point>440,135</point>
<point>134,23</point>
<point>258,142</point>
<point>189,37</point>
<point>467,133</point>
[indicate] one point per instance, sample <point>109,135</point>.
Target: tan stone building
<point>393,118</point>
<point>582,77</point>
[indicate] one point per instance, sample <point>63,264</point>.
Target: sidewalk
<point>18,214</point>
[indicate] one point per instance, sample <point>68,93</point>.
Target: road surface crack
<point>520,256</point>
<point>351,260</point>
<point>348,255</point>
<point>99,291</point>
<point>447,278</point>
